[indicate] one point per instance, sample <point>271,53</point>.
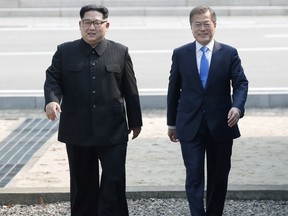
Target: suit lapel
<point>214,64</point>
<point>193,65</point>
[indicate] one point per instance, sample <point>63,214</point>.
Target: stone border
<point>30,196</point>
<point>146,11</point>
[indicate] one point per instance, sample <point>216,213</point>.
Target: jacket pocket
<point>118,109</point>
<point>113,68</point>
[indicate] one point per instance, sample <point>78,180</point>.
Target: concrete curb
<point>29,196</point>
<point>147,11</point>
<point>150,99</point>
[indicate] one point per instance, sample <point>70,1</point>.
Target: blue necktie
<point>204,66</point>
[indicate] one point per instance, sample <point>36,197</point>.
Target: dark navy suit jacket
<point>187,99</point>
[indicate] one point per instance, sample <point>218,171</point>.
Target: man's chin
<point>204,41</point>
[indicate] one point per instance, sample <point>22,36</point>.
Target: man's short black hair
<point>201,10</point>
<point>93,7</point>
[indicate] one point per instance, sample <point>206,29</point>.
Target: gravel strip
<point>158,207</point>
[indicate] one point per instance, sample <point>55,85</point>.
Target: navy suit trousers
<point>218,156</point>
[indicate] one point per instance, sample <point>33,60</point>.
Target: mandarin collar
<point>87,49</point>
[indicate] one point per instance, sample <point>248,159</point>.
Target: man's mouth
<point>203,35</point>
<point>91,33</point>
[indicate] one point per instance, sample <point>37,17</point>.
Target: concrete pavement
<point>154,164</point>
<point>264,60</point>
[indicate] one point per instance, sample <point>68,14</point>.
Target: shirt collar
<point>209,45</point>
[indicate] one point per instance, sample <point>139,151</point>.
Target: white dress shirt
<point>199,53</point>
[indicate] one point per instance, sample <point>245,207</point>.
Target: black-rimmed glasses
<point>97,23</point>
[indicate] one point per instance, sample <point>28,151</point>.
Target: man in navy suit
<point>202,113</point>
<point>91,81</point>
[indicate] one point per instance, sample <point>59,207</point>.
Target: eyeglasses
<point>199,25</point>
<point>97,23</point>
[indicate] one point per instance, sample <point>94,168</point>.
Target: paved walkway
<point>259,156</point>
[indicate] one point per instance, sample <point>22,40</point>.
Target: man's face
<point>93,28</point>
<point>203,28</point>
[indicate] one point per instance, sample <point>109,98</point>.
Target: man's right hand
<point>51,110</point>
<point>172,135</point>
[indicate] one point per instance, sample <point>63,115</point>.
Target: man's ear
<point>107,25</point>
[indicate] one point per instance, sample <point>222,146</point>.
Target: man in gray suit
<point>91,82</point>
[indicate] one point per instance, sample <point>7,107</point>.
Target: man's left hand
<point>233,116</point>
